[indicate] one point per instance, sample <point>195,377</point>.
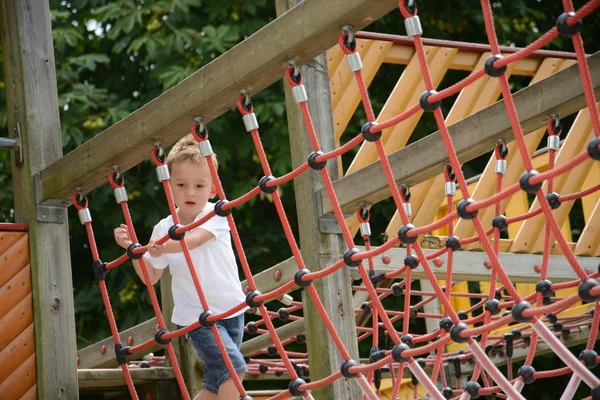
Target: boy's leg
<point>206,395</point>
<point>228,390</point>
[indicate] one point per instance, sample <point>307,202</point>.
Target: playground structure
<point>408,166</point>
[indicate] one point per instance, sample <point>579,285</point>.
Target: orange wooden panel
<point>14,259</point>
<point>20,381</point>
<point>18,350</point>
<point>15,322</point>
<point>8,239</point>
<point>15,290</point>
<point>31,394</point>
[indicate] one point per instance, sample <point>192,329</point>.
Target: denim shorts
<point>215,373</point>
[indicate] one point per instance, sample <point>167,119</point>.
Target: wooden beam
<point>319,250</point>
<point>426,157</point>
<point>32,107</point>
<point>254,64</point>
<point>469,266</point>
<point>263,341</point>
<point>113,378</point>
<point>92,357</point>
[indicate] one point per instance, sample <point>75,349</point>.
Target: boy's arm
<point>193,239</point>
<point>155,274</point>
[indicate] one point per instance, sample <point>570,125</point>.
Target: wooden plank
<point>17,320</point>
<point>8,239</point>
<point>349,99</point>
<point>426,157</point>
<point>31,394</point>
<point>342,77</point>
<point>32,105</point>
<point>254,64</point>
<point>113,378</point>
<point>531,235</point>
<point>589,241</point>
<point>469,266</point>
<point>18,350</point>
<point>263,341</point>
<point>92,357</point>
<point>20,381</point>
<point>320,250</point>
<point>487,186</point>
<point>15,290</point>
<point>13,260</point>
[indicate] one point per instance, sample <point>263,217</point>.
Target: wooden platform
<point>157,383</point>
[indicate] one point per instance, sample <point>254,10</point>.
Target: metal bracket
<point>14,144</point>
<point>51,210</point>
<point>327,223</point>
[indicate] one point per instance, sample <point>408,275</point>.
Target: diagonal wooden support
<point>426,157</point>
<point>254,64</point>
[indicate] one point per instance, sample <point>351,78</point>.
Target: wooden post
<point>184,350</point>
<point>318,249</point>
<point>33,110</point>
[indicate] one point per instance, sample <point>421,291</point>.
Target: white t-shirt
<point>215,265</point>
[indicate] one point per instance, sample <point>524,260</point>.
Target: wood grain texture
<point>320,250</point>
<point>13,260</point>
<point>15,290</point>
<point>105,378</point>
<point>16,351</point>
<point>17,319</point>
<point>254,64</point>
<point>32,104</point>
<point>20,381</point>
<point>426,157</point>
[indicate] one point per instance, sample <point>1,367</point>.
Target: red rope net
<point>392,349</point>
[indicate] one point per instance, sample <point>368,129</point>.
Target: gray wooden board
<point>113,377</point>
<point>473,136</point>
<point>253,64</point>
<point>32,106</point>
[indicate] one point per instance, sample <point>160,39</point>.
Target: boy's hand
<point>122,236</point>
<point>156,250</point>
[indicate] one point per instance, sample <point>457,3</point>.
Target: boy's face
<point>192,186</point>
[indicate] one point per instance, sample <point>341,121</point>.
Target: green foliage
<point>112,57</point>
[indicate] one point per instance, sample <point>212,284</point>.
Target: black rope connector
<point>133,255</point>
<point>411,261</point>
<point>447,392</point>
<point>499,222</point>
<point>366,308</point>
<point>376,278</point>
<point>552,318</point>
<point>294,387</point>
<point>456,330</point>
<point>121,352</point>
<point>219,208</point>
<point>346,368</point>
<point>300,339</point>
<point>462,315</point>
<point>298,277</point>
<point>174,235</point>
<point>159,339</point>
<point>453,243</point>
<point>283,314</point>
<point>367,135</point>
<point>524,182</point>
<point>526,372</point>
<point>457,368</point>
<point>553,199</point>
<point>99,270</point>
<point>348,257</point>
<point>446,324</point>
<point>250,299</point>
<point>461,209</point>
<point>407,340</point>
<point>490,69</point>
<point>397,289</point>
<point>472,388</point>
<point>593,148</point>
<point>397,352</point>
<point>272,351</point>
<point>203,319</point>
<point>584,290</point>
<point>492,306</point>
<point>425,104</point>
<point>544,287</point>
<point>508,337</point>
<point>403,234</point>
<point>589,358</point>
<point>517,311</point>
<point>252,328</point>
<point>313,163</point>
<point>262,184</point>
<point>564,29</point>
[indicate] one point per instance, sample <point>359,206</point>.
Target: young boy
<point>214,261</point>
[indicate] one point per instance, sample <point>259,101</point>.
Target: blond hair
<point>186,149</point>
